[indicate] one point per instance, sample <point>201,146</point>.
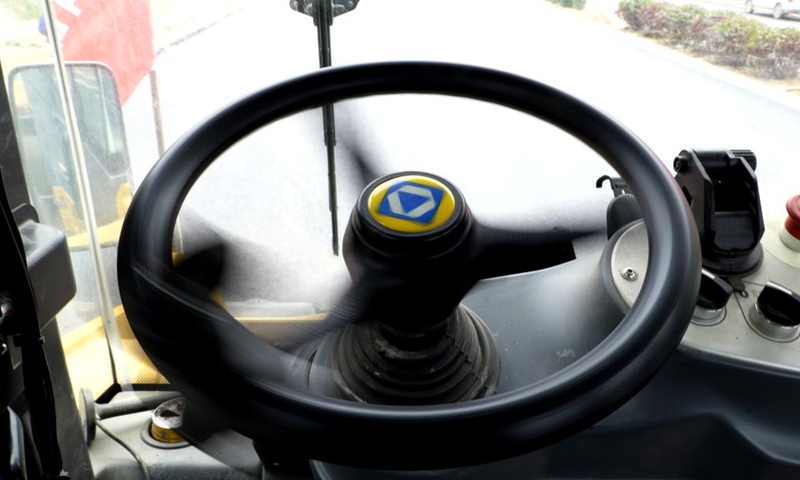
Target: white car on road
<point>779,8</point>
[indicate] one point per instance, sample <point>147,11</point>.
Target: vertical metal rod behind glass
<point>324,19</point>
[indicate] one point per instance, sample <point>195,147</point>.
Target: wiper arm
<point>324,19</point>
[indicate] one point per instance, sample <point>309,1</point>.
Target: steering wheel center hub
<point>410,215</point>
<point>409,204</point>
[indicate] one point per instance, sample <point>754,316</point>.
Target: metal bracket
<point>309,7</point>
<point>618,185</point>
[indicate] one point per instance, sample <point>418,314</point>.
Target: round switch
<point>166,420</point>
<point>714,295</point>
<point>776,314</point>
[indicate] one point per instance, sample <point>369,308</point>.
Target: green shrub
<point>577,4</point>
<point>729,38</point>
<point>681,21</point>
<point>774,53</point>
<point>767,52</point>
<point>654,19</point>
<point>699,31</point>
<point>722,37</point>
<point>629,11</point>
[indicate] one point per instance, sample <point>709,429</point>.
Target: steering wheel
<point>219,365</point>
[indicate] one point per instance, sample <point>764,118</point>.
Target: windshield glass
<point>135,75</point>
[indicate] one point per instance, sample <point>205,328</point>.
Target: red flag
<point>117,33</point>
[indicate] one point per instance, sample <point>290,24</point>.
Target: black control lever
<point>617,184</point>
<point>623,208</point>
<point>776,314</point>
<point>714,292</point>
<point>779,305</point>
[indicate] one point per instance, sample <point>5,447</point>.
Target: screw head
<point>629,274</point>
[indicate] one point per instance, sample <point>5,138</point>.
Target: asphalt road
<point>268,194</point>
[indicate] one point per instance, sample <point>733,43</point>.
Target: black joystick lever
<point>414,249</point>
<point>623,209</point>
<point>722,191</point>
<point>714,292</point>
<point>714,295</point>
<point>780,305</point>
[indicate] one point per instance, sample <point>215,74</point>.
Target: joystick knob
<point>776,313</point>
<point>714,295</point>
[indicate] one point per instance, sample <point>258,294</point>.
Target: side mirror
<point>47,160</point>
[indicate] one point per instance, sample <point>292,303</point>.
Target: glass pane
<point>108,53</point>
<point>28,65</point>
<point>108,49</point>
<point>47,148</point>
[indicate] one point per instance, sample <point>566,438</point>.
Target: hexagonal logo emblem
<point>411,201</point>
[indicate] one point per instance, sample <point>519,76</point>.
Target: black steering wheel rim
<point>298,423</point>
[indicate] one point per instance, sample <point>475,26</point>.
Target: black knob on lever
<point>714,295</point>
<point>780,305</point>
<point>414,250</point>
<point>776,313</point>
<point>714,292</point>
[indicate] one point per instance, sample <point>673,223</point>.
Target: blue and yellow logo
<point>411,204</point>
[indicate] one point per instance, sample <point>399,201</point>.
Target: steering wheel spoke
<point>503,252</point>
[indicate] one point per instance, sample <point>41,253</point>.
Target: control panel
<point>749,303</point>
<point>748,310</point>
